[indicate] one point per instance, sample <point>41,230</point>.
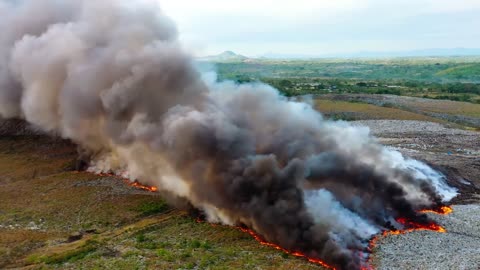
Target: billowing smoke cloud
<point>111,76</point>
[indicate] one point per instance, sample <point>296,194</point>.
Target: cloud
<point>254,27</point>
<point>448,6</point>
<point>288,9</point>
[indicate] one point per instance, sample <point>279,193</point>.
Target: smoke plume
<point>112,76</point>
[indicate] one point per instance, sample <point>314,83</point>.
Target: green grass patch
<point>70,256</point>
<point>461,71</point>
<point>152,207</point>
<point>165,255</point>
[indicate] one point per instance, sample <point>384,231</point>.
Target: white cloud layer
<point>324,26</point>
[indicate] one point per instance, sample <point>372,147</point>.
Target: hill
<point>227,56</point>
<point>53,217</point>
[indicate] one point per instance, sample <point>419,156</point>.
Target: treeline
<point>421,70</point>
<point>468,92</point>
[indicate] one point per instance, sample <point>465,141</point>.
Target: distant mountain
<point>422,53</point>
<point>372,54</point>
<point>271,55</point>
<point>229,56</point>
<point>225,57</point>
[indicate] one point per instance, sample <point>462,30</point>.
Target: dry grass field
<point>363,111</point>
<point>365,107</point>
<point>52,217</point>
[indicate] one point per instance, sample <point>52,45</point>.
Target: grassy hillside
<point>344,110</point>
<point>413,69</point>
<point>462,71</point>
<point>52,217</point>
<point>454,78</point>
<point>363,106</point>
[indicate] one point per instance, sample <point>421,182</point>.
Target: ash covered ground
<point>456,152</point>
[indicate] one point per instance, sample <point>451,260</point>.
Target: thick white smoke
<point>111,76</point>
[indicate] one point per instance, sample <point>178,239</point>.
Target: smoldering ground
<point>111,76</point>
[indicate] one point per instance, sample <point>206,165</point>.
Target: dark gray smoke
<point>111,76</point>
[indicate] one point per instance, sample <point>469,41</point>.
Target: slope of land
<point>434,69</point>
<point>227,56</point>
<point>53,217</point>
<point>441,78</point>
<point>365,106</point>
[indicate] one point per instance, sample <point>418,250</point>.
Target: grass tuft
<point>152,207</point>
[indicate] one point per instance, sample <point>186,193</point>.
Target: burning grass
<point>410,226</point>
<point>63,202</point>
<point>444,210</point>
<point>172,243</point>
<point>56,195</point>
<point>259,239</point>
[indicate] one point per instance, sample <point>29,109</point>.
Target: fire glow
<point>444,210</point>
<point>137,185</point>
<point>145,111</point>
<point>131,183</point>
<point>410,226</point>
<point>259,239</point>
<point>415,227</point>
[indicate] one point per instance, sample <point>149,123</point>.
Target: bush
<point>165,254</point>
<point>150,208</point>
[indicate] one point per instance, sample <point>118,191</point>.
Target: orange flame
<point>134,184</point>
<point>420,227</point>
<point>259,239</point>
<point>444,210</point>
<point>277,247</point>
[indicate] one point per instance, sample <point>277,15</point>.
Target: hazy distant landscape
<point>451,78</point>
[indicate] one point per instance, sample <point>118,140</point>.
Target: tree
<point>285,84</point>
<point>362,84</point>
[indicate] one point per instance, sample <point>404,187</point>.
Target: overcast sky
<point>316,27</point>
